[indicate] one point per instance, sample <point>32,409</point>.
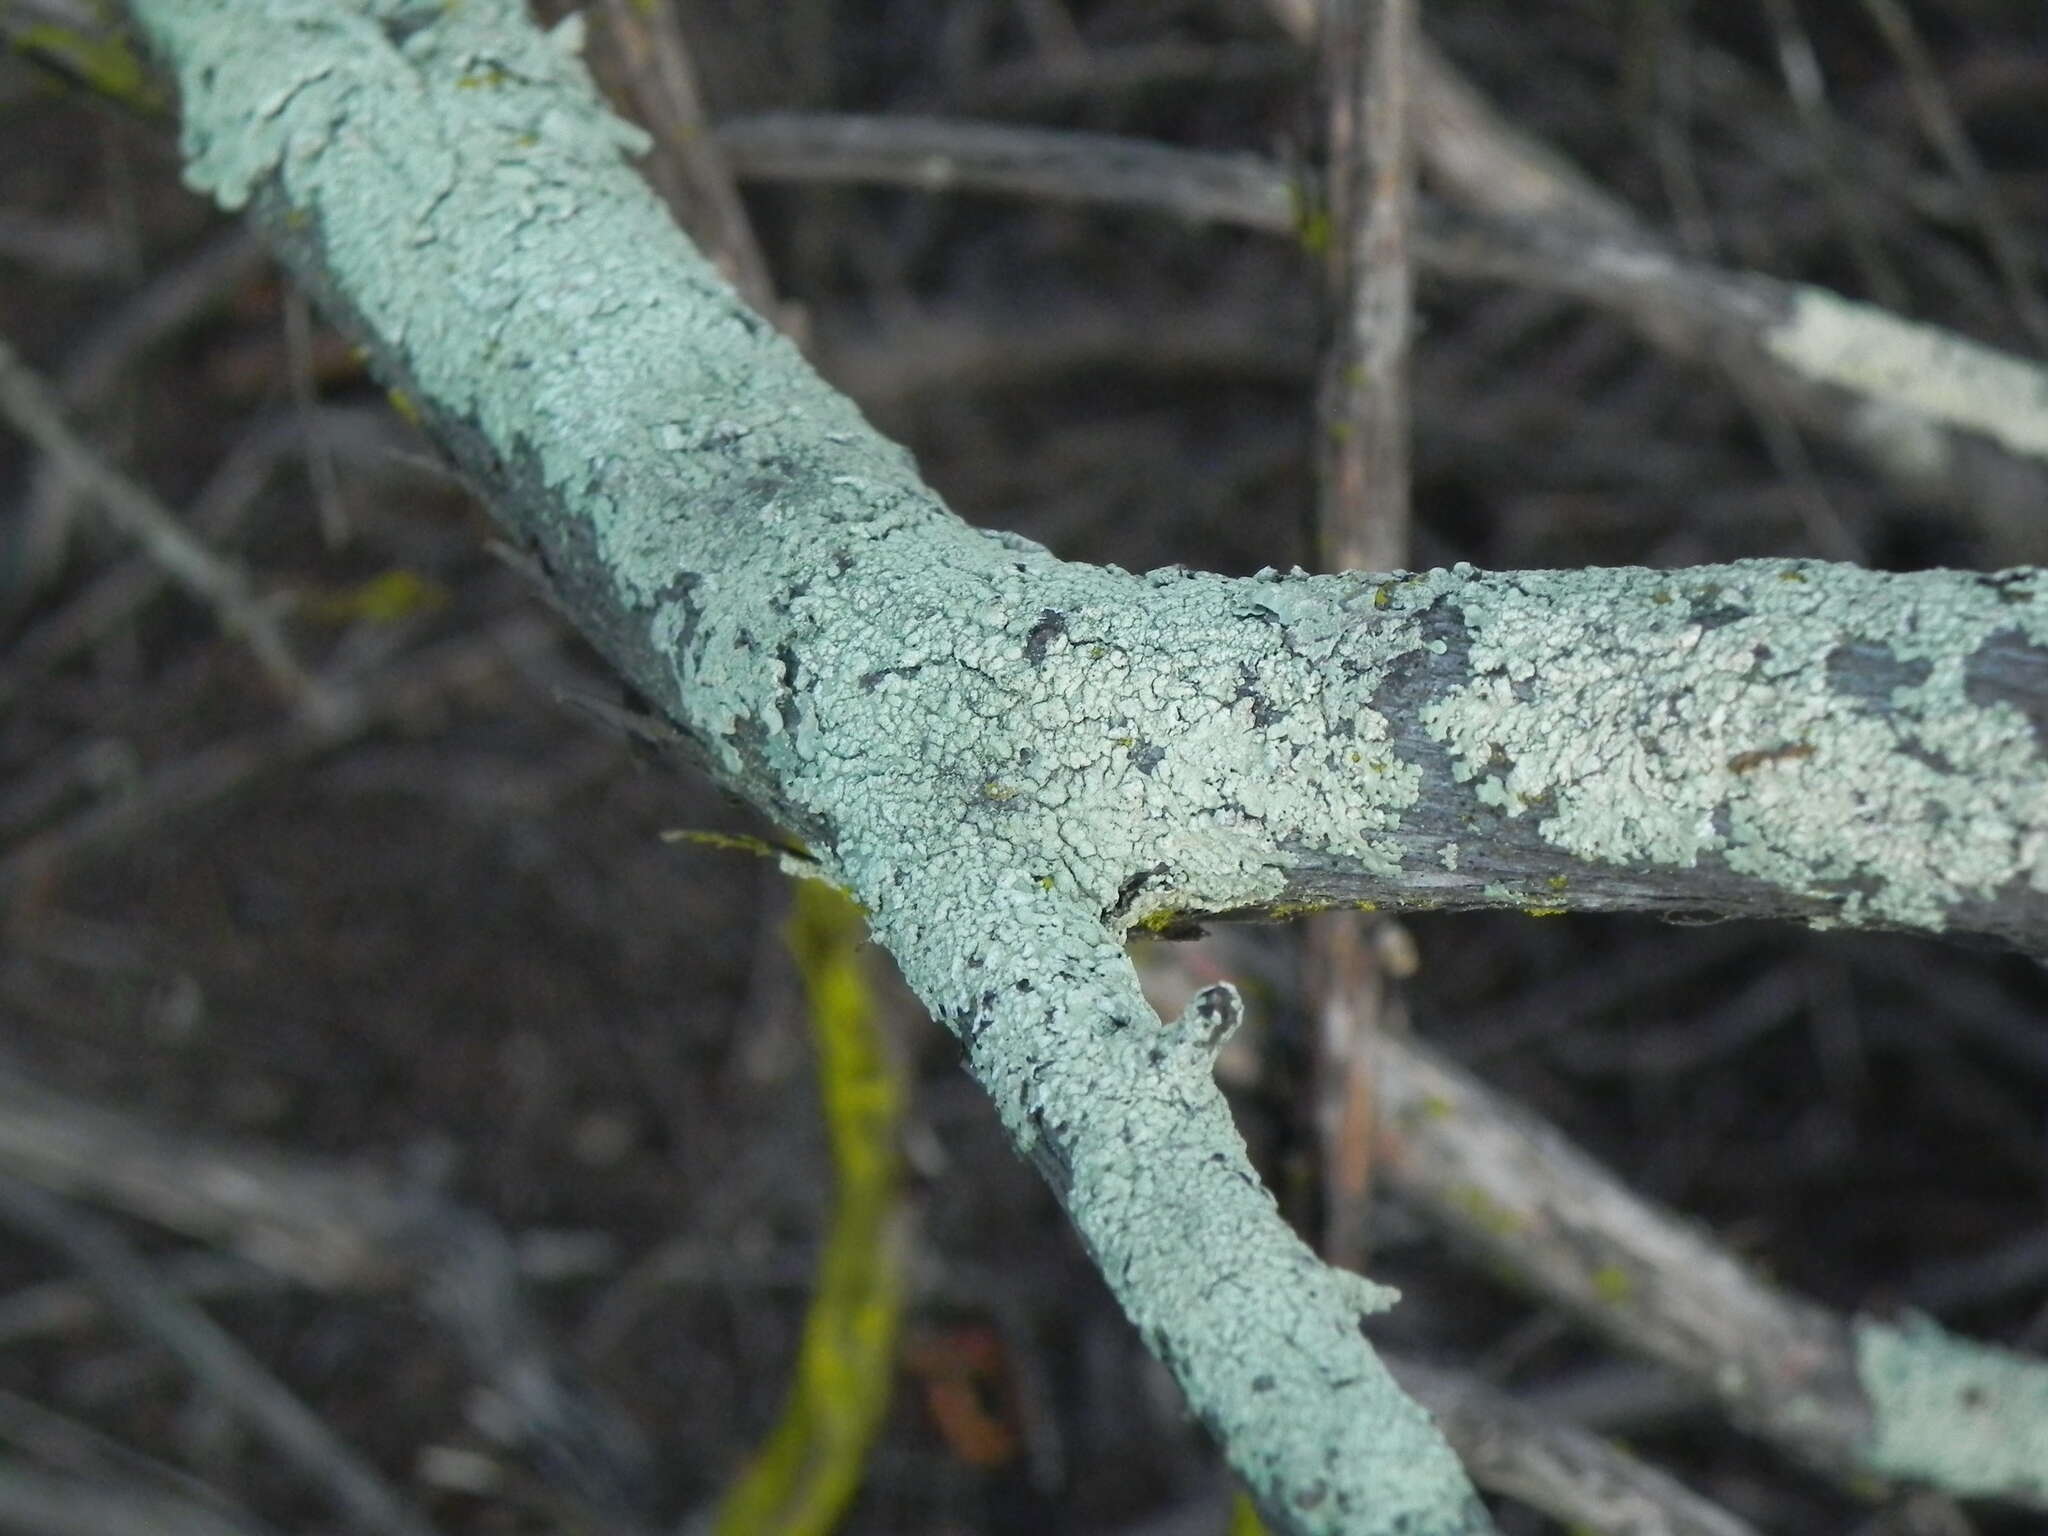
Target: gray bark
<point>1013,760</point>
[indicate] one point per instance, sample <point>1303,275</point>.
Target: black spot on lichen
<point>785,700</point>
<point>1263,713</point>
<point>1050,626</point>
<point>1870,673</point>
<point>1145,757</point>
<point>870,681</point>
<point>2007,669</point>
<point>1127,893</point>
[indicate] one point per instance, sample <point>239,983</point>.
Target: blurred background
<point>432,942</point>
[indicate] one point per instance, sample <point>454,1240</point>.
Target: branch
<point>1011,760</point>
<point>1854,1397</point>
<point>1932,411</point>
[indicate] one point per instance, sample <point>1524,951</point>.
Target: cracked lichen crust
<point>899,687</point>
<point>1835,732</point>
<point>1961,1416</point>
<point>1120,1112</point>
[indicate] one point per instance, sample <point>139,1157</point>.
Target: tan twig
<point>687,168</point>
<point>211,1355</point>
<point>1362,523</point>
<point>1363,403</point>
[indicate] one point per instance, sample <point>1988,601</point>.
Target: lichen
<point>1918,371</point>
<point>1723,724</point>
<point>1965,1417</point>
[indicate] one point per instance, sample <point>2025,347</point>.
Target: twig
<point>364,436</point>
<point>320,470</point>
<point>52,1504</point>
<point>1583,1482</point>
<point>32,407</point>
<point>88,376</point>
<point>937,154</point>
<point>2016,263</point>
<point>1362,524</point>
<point>221,768</point>
<point>1844,1395</point>
<point>1362,407</point>
<point>206,1350</point>
<point>1932,411</point>
<point>1808,90</point>
<point>348,1231</point>
<point>687,166</point>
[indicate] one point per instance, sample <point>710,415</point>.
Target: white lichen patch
<point>1644,718</point>
<point>1933,373</point>
<point>1964,1417</point>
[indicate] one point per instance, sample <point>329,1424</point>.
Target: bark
<point>1013,760</point>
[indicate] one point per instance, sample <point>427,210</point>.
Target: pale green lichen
<point>1715,725</point>
<point>1964,1417</point>
<point>1916,369</point>
<point>993,744</point>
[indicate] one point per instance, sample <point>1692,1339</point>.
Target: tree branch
<point>1011,760</point>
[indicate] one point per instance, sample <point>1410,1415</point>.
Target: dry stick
<point>59,1440</point>
<point>87,378</point>
<point>2016,263</point>
<point>55,1504</point>
<point>1929,409</point>
<point>1491,166</point>
<point>321,474</point>
<point>1363,405</point>
<point>1510,1186</point>
<point>362,435</point>
<point>212,1356</point>
<point>341,1230</point>
<point>686,167</point>
<point>1362,524</point>
<point>1807,87</point>
<point>216,771</point>
<point>1825,527</point>
<point>32,407</point>
<point>1577,1478</point>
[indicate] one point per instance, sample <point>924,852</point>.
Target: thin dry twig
<point>1363,403</point>
<point>215,771</point>
<point>687,168</point>
<point>212,1355</point>
<point>1582,1481</point>
<point>347,1230</point>
<point>1807,86</point>
<point>1362,442</point>
<point>31,405</point>
<point>2017,265</point>
<point>1936,414</point>
<point>53,1504</point>
<point>1513,1188</point>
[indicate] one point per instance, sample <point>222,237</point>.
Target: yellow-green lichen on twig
<point>811,1464</point>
